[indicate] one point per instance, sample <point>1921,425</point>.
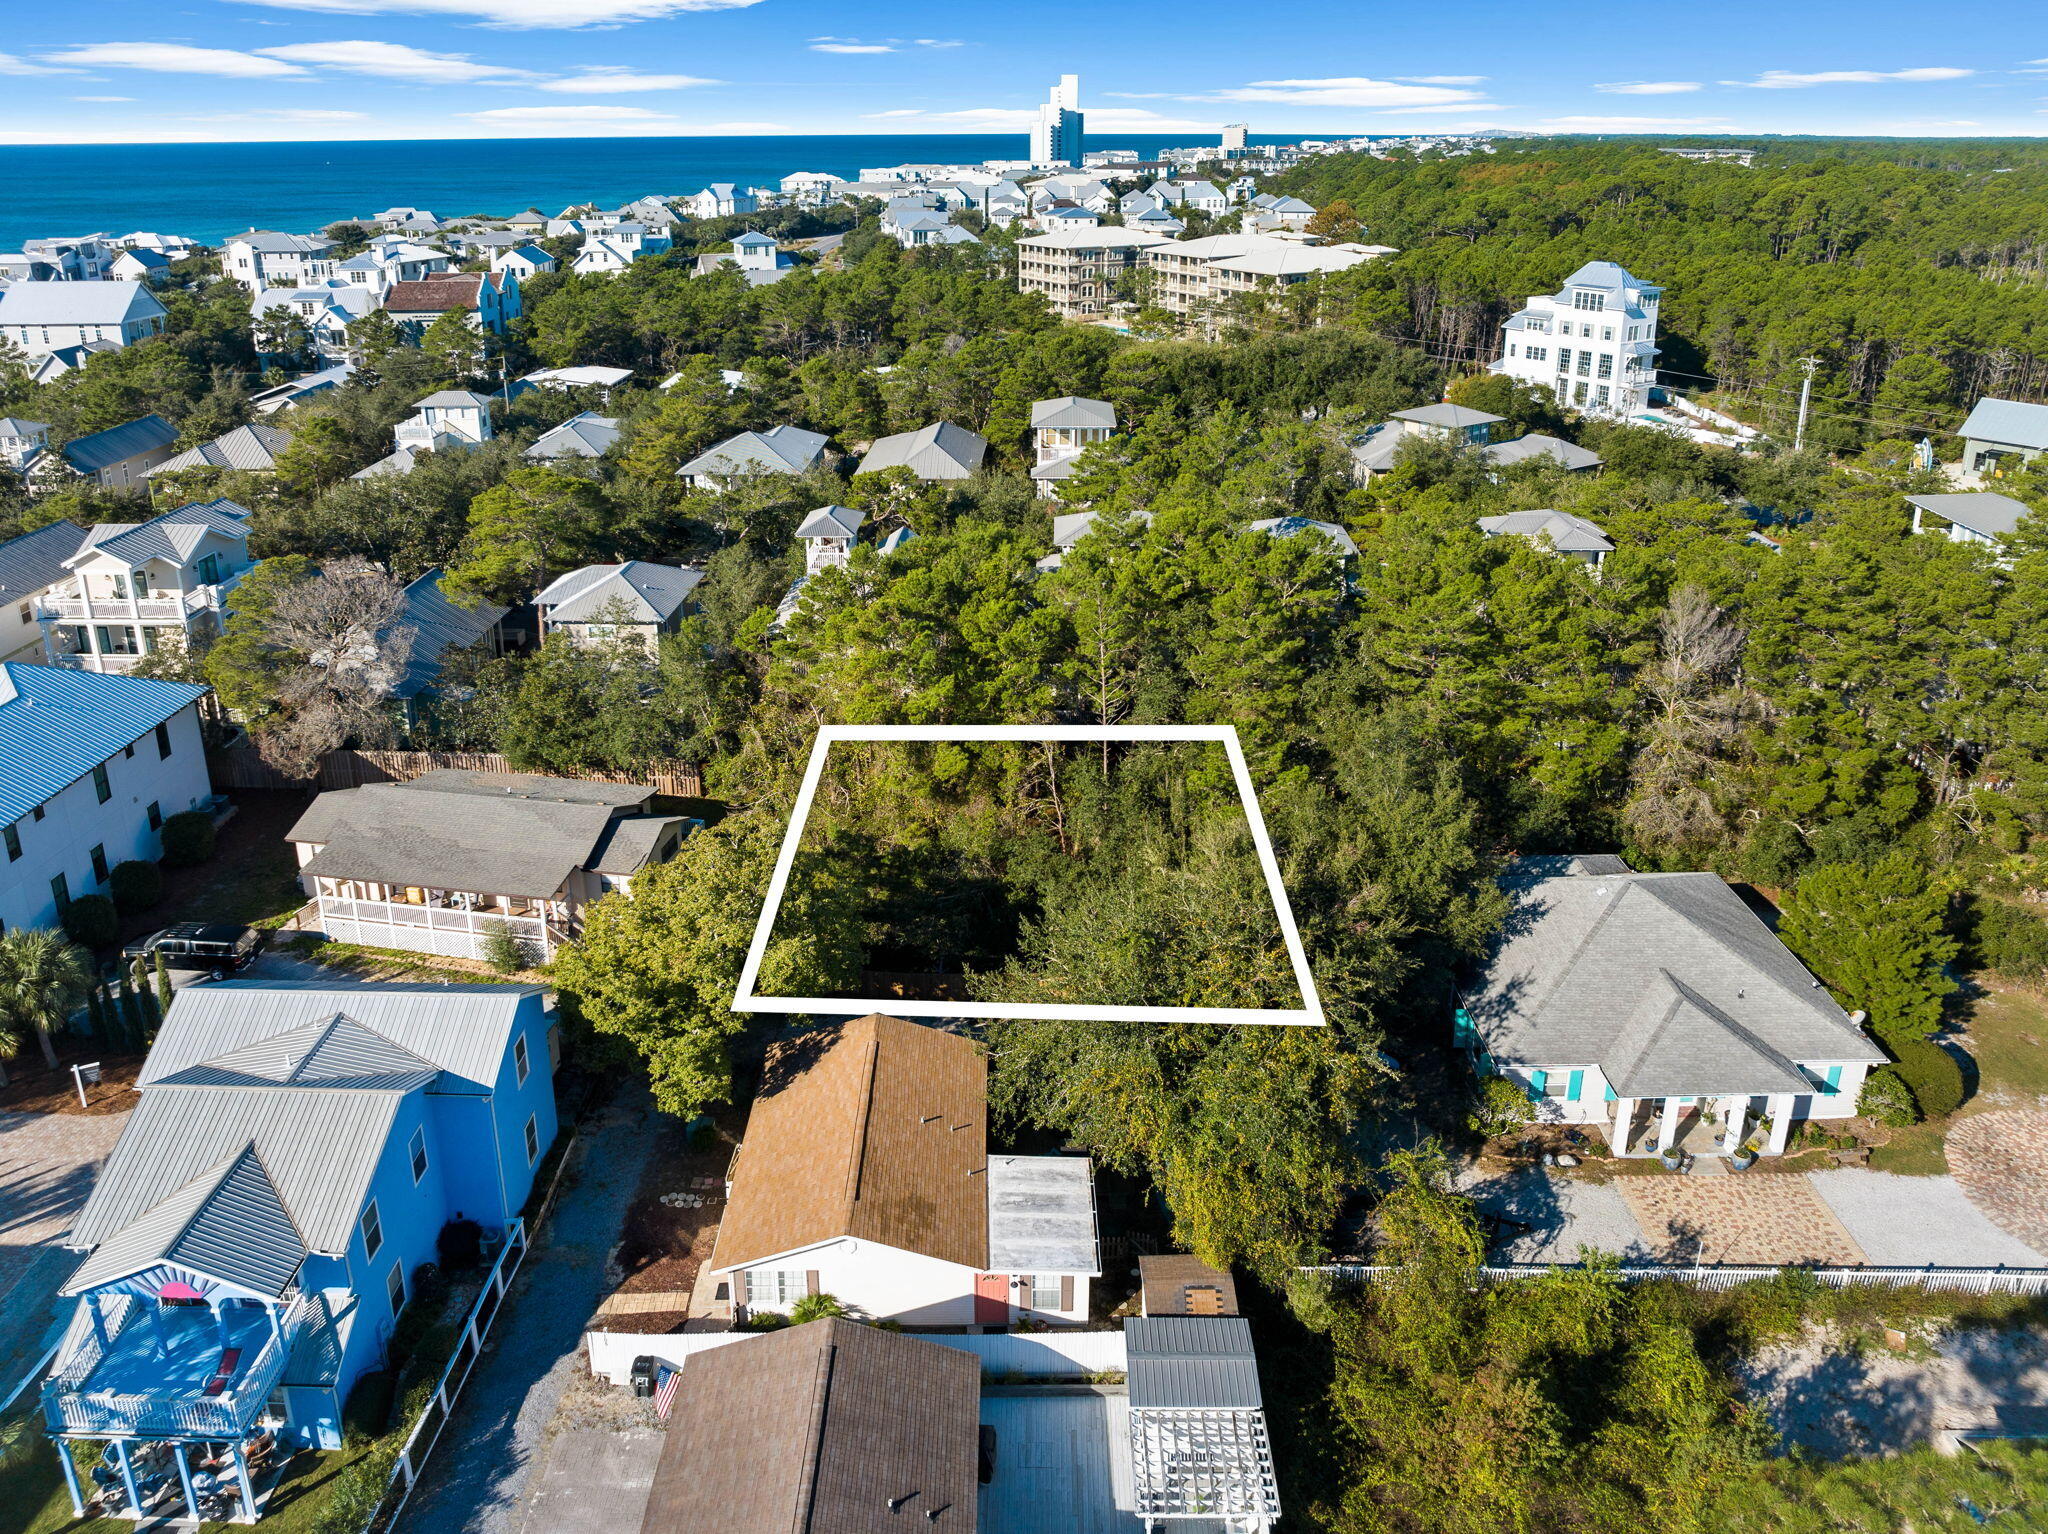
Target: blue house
<point>295,1153</point>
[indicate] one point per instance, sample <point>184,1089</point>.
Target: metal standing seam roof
<point>323,1339</point>
<point>1984,512</point>
<point>337,1052</point>
<point>1459,417</point>
<point>938,451</point>
<point>1041,1215</point>
<point>144,434</point>
<point>463,1031</point>
<point>587,435</point>
<point>229,1222</point>
<point>1567,534</point>
<point>1537,445</point>
<point>253,447</point>
<point>1073,410</point>
<point>1192,1361</point>
<point>56,725</point>
<point>173,535</point>
<point>2014,423</point>
<point>1289,527</point>
<point>77,303</point>
<point>652,593</point>
<point>1607,275</point>
<point>778,450</point>
<point>35,560</point>
<point>832,522</point>
<point>1653,973</point>
<point>438,626</point>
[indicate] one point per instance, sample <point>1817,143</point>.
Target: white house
<point>131,584</point>
<point>29,566</point>
<point>2000,436</point>
<point>935,452</point>
<point>44,317</point>
<point>778,450</point>
<point>1984,517</point>
<point>1377,449</point>
<point>811,188</point>
<point>523,261</point>
<point>252,449</point>
<point>140,266</point>
<point>90,769</point>
<point>589,375</point>
<point>326,309</point>
<point>1060,430</point>
<point>449,420</point>
<point>600,602</point>
<point>1593,343</point>
<point>265,258</point>
<point>721,199</point>
<point>865,1174</point>
<point>21,440</point>
<point>760,259</point>
<point>1659,1008</point>
<point>1568,536</point>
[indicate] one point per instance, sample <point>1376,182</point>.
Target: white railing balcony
<point>450,930</point>
<point>68,606</point>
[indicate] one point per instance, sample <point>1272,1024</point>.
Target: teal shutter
<point>1463,1034</point>
<point>1537,1081</point>
<point>1610,1092</point>
<point>1834,1079</point>
<point>1578,1081</point>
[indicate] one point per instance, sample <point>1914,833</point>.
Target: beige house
<point>601,602</point>
<point>1077,269</point>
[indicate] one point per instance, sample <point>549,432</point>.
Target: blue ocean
<point>209,191</point>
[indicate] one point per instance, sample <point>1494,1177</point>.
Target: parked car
<point>216,948</point>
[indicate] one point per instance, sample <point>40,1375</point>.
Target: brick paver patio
<point>2001,1161</point>
<point>1753,1217</point>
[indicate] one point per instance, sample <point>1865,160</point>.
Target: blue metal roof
<point>57,725</point>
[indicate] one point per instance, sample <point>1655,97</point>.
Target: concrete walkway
<point>476,1480</point>
<point>47,1165</point>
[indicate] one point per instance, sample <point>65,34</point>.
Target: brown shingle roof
<point>875,1129</point>
<point>1179,1285</point>
<point>449,290</point>
<point>815,1430</point>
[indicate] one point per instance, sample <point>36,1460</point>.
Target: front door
<point>991,1299</point>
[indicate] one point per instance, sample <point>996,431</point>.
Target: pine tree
<point>163,982</point>
<point>96,1017</point>
<point>131,1016</point>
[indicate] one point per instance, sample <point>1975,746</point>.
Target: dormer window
<point>1583,298</point>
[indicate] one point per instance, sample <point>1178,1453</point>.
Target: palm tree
<point>42,977</point>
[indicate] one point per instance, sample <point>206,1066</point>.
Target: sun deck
<point>185,1371</point>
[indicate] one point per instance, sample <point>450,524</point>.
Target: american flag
<point>665,1381</point>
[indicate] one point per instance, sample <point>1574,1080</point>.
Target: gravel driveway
<point>47,1165</point>
<point>476,1480</point>
<point>1915,1221</point>
<point>1563,1214</point>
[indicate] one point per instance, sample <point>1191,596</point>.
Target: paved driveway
<point>2001,1161</point>
<point>47,1165</point>
<point>475,1481</point>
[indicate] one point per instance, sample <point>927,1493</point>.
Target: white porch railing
<point>69,607</point>
<point>445,930</point>
<point>1998,1280</point>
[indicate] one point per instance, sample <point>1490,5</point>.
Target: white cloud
<point>177,59</point>
<point>102,98</point>
<point>395,61</point>
<point>1443,79</point>
<point>303,115</point>
<point>851,48</point>
<point>1630,124</point>
<point>1020,119</point>
<point>1343,91</point>
<point>894,112</point>
<point>516,15</point>
<point>1786,80</point>
<point>938,42</point>
<point>12,64</point>
<point>1648,87</point>
<point>618,82</point>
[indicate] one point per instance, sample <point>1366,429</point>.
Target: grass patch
<point>2006,1033</point>
<point>1914,1152</point>
<point>360,963</point>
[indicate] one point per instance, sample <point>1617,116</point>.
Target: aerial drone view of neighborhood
<point>876,796</point>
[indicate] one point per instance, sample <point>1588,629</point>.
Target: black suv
<point>220,948</point>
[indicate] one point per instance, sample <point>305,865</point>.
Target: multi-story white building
<point>90,769</point>
<point>264,258</point>
<point>1077,269</point>
<point>1056,136</point>
<point>1594,343</point>
<point>1195,273</point>
<point>45,317</point>
<point>132,583</point>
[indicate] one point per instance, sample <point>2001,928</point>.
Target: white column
<point>1736,1111</point>
<point>1617,1128</point>
<point>1667,1126</point>
<point>1781,1125</point>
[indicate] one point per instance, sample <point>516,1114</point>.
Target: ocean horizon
<point>210,191</point>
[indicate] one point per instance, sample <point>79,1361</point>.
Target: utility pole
<point>1805,393</point>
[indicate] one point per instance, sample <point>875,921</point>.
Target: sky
<point>127,71</point>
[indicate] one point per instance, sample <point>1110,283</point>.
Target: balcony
<point>442,926</point>
<point>70,606</point>
<point>153,1376</point>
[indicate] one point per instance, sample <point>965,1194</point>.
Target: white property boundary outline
<point>744,999</point>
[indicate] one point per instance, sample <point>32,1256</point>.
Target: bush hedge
<point>136,885</point>
<point>1887,1100</point>
<point>188,838</point>
<point>1933,1075</point>
<point>2009,938</point>
<point>90,922</point>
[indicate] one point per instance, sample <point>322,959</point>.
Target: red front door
<point>991,1299</point>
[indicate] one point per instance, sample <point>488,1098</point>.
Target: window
<point>61,888</point>
<point>373,1230</point>
<point>163,741</point>
<point>1579,394</point>
<point>774,1289</point>
<point>118,639</point>
<point>394,1286</point>
<point>1558,1084</point>
<point>1585,364</point>
<point>1564,359</point>
<point>12,837</point>
<point>1511,348</point>
<point>99,864</point>
<point>418,1151</point>
<point>1607,332</point>
<point>100,785</point>
<point>1600,395</point>
<point>1581,299</point>
<point>1541,327</point>
<point>1538,353</point>
<point>520,1064</point>
<point>26,613</point>
<point>532,1140</point>
<point>1045,1291</point>
<point>119,585</point>
<point>1606,365</point>
<point>156,816</point>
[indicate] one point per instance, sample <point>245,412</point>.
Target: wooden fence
<point>1717,1276</point>
<point>244,767</point>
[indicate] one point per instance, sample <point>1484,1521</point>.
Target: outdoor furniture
<point>230,1360</point>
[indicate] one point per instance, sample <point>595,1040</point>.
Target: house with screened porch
<point>294,1153</point>
<point>1658,1009</point>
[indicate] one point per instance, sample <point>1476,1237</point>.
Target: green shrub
<point>368,1412</point>
<point>188,839</point>
<point>1887,1099</point>
<point>766,1321</point>
<point>1502,1108</point>
<point>2007,937</point>
<point>135,885</point>
<point>1934,1076</point>
<point>1312,1296</point>
<point>90,922</point>
<point>501,950</point>
<point>815,1307</point>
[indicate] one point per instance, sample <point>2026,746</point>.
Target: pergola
<point>1200,1462</point>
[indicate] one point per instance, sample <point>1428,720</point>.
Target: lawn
<point>251,879</point>
<point>353,961</point>
<point>2005,1031</point>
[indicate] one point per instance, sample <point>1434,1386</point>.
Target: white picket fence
<point>1717,1276</point>
<point>1055,1355</point>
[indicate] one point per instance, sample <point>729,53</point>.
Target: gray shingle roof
<point>1457,416</point>
<point>1995,516</point>
<point>1537,445</point>
<point>778,450</point>
<point>629,842</point>
<point>35,560</point>
<point>90,454</point>
<point>2011,422</point>
<point>652,593</point>
<point>56,725</point>
<point>253,447</point>
<point>1071,410</point>
<point>1192,1361</point>
<point>938,451</point>
<point>1654,977</point>
<point>1567,534</point>
<point>462,1030</point>
<point>229,1222</point>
